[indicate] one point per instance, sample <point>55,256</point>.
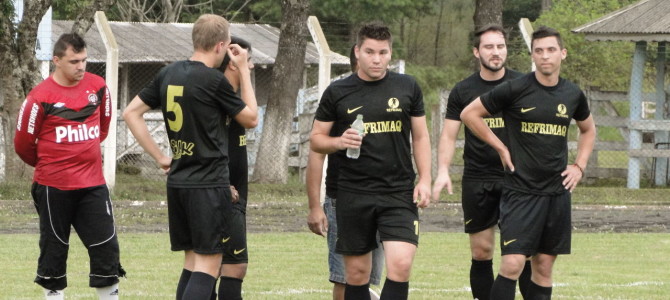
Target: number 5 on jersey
<point>174,107</point>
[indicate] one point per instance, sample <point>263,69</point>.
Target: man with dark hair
<point>322,220</point>
<point>196,100</point>
<point>59,130</point>
<point>376,192</point>
<point>235,254</point>
<point>535,208</point>
<point>483,172</point>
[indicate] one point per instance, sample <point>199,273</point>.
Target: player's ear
<point>475,52</point>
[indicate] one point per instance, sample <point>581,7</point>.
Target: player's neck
<point>547,80</point>
<point>63,81</point>
<point>489,75</point>
<point>204,57</point>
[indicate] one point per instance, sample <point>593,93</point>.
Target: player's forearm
<point>446,148</point>
<point>324,144</point>
<point>138,128</point>
<point>422,157</point>
<point>477,125</point>
<point>585,142</point>
<point>247,91</point>
<point>313,178</point>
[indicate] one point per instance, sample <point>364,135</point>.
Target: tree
<point>603,64</point>
<point>487,12</point>
<point>19,71</point>
<point>272,160</point>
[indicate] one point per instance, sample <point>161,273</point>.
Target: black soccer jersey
<point>195,101</point>
<point>482,162</point>
<point>387,106</point>
<point>238,165</point>
<point>537,120</point>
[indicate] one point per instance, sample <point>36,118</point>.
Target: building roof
<point>646,20</point>
<point>142,42</point>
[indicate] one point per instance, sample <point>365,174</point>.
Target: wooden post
<point>635,98</point>
<point>661,167</point>
<point>111,79</point>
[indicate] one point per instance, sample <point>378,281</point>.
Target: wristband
<point>580,168</point>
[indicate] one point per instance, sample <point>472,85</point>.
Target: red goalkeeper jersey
<point>59,131</point>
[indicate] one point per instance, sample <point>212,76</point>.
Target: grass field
<point>293,266</point>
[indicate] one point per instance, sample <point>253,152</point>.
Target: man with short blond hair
<point>196,100</point>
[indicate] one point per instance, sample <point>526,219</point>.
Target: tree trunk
<point>272,159</point>
<point>19,73</point>
<point>487,12</point>
<point>84,20</point>
<point>19,70</point>
<point>546,5</point>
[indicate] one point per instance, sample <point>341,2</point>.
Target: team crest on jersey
<point>393,105</point>
<point>93,98</point>
<point>561,111</point>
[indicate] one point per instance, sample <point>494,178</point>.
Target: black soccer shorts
<point>360,216</point>
<point>89,211</point>
<point>197,218</point>
<point>235,250</point>
<point>531,224</point>
<point>481,204</point>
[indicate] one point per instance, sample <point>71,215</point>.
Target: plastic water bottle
<point>360,127</point>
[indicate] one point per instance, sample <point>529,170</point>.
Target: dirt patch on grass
<point>18,216</point>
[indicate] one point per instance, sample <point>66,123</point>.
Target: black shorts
<point>531,224</point>
<point>235,246</point>
<point>481,204</point>
<point>89,211</point>
<point>360,216</point>
<point>197,218</point>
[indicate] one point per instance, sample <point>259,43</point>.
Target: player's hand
<point>235,194</point>
<point>317,221</point>
<point>350,139</point>
<point>238,56</point>
<point>164,163</point>
<point>506,160</point>
<point>572,176</point>
<point>443,179</point>
<point>422,194</point>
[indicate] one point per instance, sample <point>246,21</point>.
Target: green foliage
<point>68,9</point>
<point>433,79</point>
<point>603,64</point>
<point>514,10</point>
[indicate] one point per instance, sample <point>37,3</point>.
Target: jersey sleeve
<point>454,105</point>
<point>228,99</point>
<point>498,98</point>
<point>105,111</point>
<point>28,126</point>
<point>582,111</point>
<point>417,109</point>
<point>150,94</point>
<point>326,111</point>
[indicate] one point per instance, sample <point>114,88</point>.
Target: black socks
<point>394,290</point>
<point>481,278</point>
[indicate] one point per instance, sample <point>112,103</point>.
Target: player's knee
<point>482,252</point>
<point>238,271</point>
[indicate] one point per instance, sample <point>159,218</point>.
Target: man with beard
<point>483,172</point>
<point>535,207</point>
